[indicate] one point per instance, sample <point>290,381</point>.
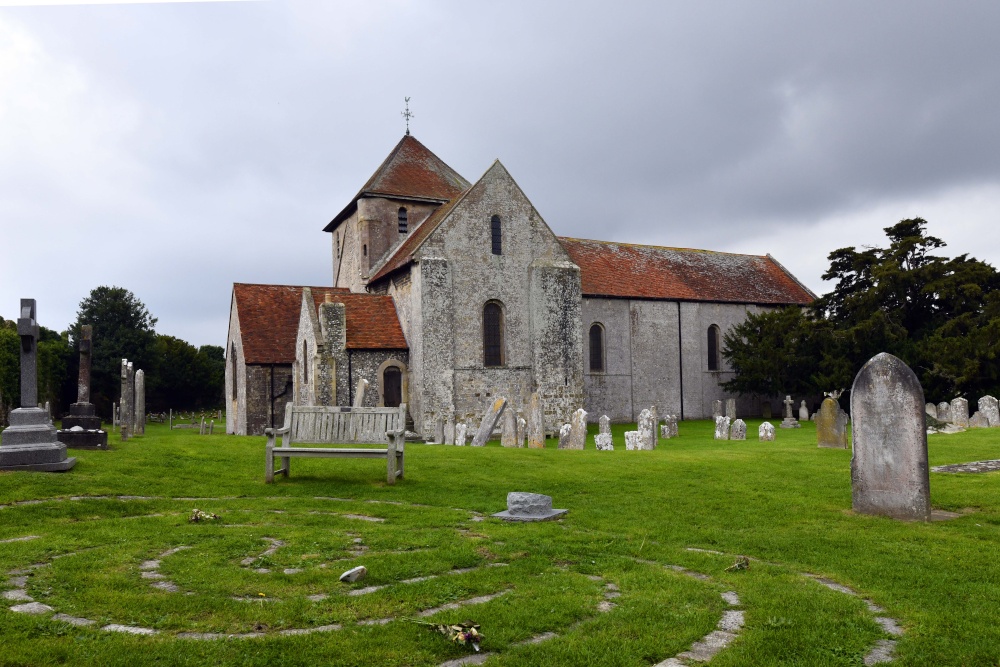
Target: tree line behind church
<point>939,315</point>
<point>179,376</point>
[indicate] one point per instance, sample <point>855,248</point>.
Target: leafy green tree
<point>123,328</point>
<point>186,377</point>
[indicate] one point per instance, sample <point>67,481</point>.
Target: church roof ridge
<point>659,247</point>
<point>410,171</point>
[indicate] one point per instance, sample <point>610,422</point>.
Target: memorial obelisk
<point>29,443</point>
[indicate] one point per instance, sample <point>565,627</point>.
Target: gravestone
<point>731,408</point>
<point>944,412</point>
<point>81,429</point>
<point>30,443</point>
<point>803,412</point>
<point>139,423</point>
<point>647,429</point>
<point>633,441</point>
<point>460,429</point>
<point>489,423</point>
<point>449,430</point>
<point>739,430</point>
<point>522,432</point>
<point>655,416</point>
<point>672,420</point>
<point>831,425</point>
<point>508,431</point>
<point>990,409</point>
<point>789,421</point>
<point>716,409</point>
<point>359,393</point>
<point>722,428</point>
<point>523,506</point>
<point>603,440</point>
<point>960,412</point>
<point>931,410</point>
<point>124,424</point>
<point>978,420</point>
<point>536,422</point>
<point>889,473</point>
<point>564,431</point>
<point>578,430</point>
<point>665,430</point>
<point>765,409</point>
<point>766,432</point>
<point>604,424</point>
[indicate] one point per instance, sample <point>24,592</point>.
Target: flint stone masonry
<point>489,422</point>
<point>944,412</point>
<point>564,432</point>
<point>766,432</point>
<point>739,430</point>
<point>991,410</point>
<point>633,440</point>
<point>29,443</point>
<point>578,430</point>
<point>960,412</point>
<point>522,506</point>
<point>603,442</point>
<point>931,410</point>
<point>536,422</point>
<point>508,432</point>
<point>647,429</point>
<point>722,428</point>
<point>831,425</point>
<point>889,471</point>
<point>978,420</point>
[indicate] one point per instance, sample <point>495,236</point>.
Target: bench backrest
<point>324,424</point>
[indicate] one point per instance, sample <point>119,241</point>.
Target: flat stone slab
<point>32,608</point>
<point>507,516</point>
<point>523,506</point>
<point>975,466</point>
<point>19,595</point>
<point>73,620</point>
<point>129,629</point>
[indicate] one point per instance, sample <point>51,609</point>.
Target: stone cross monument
<point>29,443</point>
<point>82,428</point>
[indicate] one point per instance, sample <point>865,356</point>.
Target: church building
<point>447,294</point>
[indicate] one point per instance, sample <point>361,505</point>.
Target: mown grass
<point>786,503</point>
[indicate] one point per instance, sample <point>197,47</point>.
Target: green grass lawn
<point>785,504</point>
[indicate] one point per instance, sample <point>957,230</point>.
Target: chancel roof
<point>269,320</point>
<point>411,171</point>
<point>625,270</point>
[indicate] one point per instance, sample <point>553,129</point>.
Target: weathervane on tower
<point>407,115</point>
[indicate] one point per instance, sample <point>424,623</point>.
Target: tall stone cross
<point>27,329</point>
<point>86,345</point>
<point>788,406</point>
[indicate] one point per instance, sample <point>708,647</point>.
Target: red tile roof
<point>269,320</point>
<point>372,322</point>
<point>410,172</point>
<point>625,270</point>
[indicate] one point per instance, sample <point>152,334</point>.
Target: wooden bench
<point>341,425</point>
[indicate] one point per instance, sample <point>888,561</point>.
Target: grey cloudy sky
<point>174,149</point>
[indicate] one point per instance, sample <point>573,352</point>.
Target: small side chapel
<point>447,294</point>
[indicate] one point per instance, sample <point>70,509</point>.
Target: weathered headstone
<point>633,440</point>
<point>722,428</point>
<point>731,408</point>
<point>931,410</point>
<point>789,421</point>
<point>29,443</point>
<point>603,442</point>
<point>665,432</point>
<point>124,424</point>
<point>460,429</point>
<point>359,393</point>
<point>803,412</point>
<point>523,506</point>
<point>716,409</point>
<point>889,473</point>
<point>604,424</point>
<point>944,412</point>
<point>831,425</point>
<point>978,420</point>
<point>647,429</point>
<point>508,429</point>
<point>522,431</point>
<point>536,422</point>
<point>82,427</point>
<point>766,432</point>
<point>578,430</point>
<point>738,430</point>
<point>489,423</point>
<point>449,430</point>
<point>564,432</point>
<point>672,420</point>
<point>438,436</point>
<point>139,423</point>
<point>991,410</point>
<point>765,409</point>
<point>960,412</point>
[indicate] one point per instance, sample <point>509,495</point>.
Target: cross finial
<point>407,114</point>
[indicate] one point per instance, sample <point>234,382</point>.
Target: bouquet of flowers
<point>465,633</point>
<point>198,515</point>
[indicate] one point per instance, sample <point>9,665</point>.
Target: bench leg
<point>399,465</point>
<point>285,465</point>
<point>390,465</point>
<point>269,464</point>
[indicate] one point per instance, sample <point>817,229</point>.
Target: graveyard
<point>750,546</point>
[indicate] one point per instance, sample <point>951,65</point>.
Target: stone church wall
<point>378,226</point>
<point>236,390</point>
<point>266,396</point>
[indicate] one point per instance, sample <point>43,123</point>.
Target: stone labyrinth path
<point>263,571</point>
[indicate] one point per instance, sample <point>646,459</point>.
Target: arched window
<point>492,335</point>
<point>403,224</point>
<point>714,362</point>
<point>596,348</point>
<point>496,234</point>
